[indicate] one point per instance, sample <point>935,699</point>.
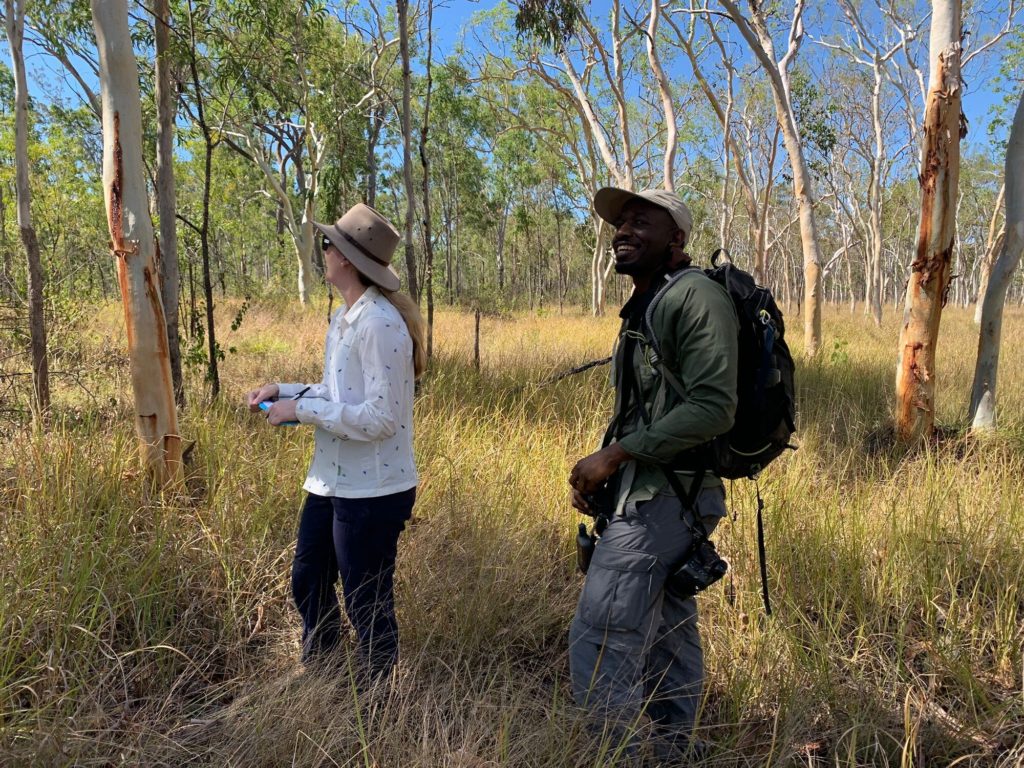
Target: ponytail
<point>410,312</point>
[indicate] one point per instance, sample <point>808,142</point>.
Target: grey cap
<point>609,202</point>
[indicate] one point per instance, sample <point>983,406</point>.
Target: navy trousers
<point>358,540</point>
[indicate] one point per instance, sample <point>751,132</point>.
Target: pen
<point>301,393</point>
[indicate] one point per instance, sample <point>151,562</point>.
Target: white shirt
<point>362,409</point>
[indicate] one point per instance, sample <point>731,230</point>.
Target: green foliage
<point>552,22</point>
<point>814,113</point>
<point>6,88</point>
<point>839,354</point>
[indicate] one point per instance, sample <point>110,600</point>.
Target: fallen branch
<point>574,371</point>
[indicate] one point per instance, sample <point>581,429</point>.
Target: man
<point>633,646</point>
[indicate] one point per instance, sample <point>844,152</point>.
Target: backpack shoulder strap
<point>657,360</point>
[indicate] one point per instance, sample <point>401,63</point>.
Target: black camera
<point>702,568</point>
<point>601,503</point>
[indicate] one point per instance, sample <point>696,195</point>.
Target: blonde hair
<point>410,312</point>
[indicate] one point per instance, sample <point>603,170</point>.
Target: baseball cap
<point>609,202</point>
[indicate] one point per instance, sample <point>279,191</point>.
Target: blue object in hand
<point>265,406</point>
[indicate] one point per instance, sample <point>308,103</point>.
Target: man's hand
<point>281,411</point>
<point>257,396</point>
<point>592,470</point>
<point>580,503</point>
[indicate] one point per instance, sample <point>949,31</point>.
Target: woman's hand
<point>257,396</point>
<point>281,411</point>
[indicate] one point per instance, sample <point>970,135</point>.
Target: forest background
<point>158,629</point>
<point>301,105</point>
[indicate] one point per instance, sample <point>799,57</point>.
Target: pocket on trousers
<point>711,503</point>
<point>619,590</point>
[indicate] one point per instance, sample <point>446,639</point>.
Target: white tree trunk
<point>930,270</point>
<point>758,38</point>
<point>874,280</point>
<point>300,228</point>
<point>665,91</point>
<point>983,392</point>
<point>597,269</point>
<point>15,18</point>
<point>993,247</point>
<point>304,244</point>
<point>134,245</point>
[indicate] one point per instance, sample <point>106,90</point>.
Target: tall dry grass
<point>160,632</point>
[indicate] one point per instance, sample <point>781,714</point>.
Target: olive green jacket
<point>694,322</point>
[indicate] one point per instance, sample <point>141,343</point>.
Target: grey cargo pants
<point>632,647</point>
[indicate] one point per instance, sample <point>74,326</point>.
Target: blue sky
<point>981,96</point>
<point>451,17</point>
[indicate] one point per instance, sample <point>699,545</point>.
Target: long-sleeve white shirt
<point>362,409</point>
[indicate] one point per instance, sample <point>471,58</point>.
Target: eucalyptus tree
<point>407,139</point>
<point>165,196</point>
<point>873,48</point>
<point>134,245</point>
<point>979,224</point>
<point>428,244</point>
<point>66,175</point>
<point>7,280</point>
<point>931,269</point>
<point>210,128</point>
<point>591,67</point>
<point>733,113</point>
<point>379,31</point>
<point>759,37</point>
<point>14,17</point>
<point>481,149</point>
<point>535,136</point>
<point>982,412</point>
<point>63,30</point>
<point>291,80</point>
<point>993,247</point>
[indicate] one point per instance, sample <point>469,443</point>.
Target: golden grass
<point>160,632</point>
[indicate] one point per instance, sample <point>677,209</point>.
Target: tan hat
<point>368,241</point>
<point>609,202</point>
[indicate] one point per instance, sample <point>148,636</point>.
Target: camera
<point>601,503</point>
<point>702,568</point>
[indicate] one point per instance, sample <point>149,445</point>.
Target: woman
<point>362,482</point>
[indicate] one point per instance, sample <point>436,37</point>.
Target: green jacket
<point>696,327</point>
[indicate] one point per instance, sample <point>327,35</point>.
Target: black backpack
<point>765,408</point>
<point>765,411</point>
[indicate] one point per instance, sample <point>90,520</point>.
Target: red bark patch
<point>917,371</point>
<point>116,216</point>
<point>153,296</point>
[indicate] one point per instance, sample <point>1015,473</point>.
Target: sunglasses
<point>326,243</point>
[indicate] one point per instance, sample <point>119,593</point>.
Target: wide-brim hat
<point>609,202</point>
<point>368,241</point>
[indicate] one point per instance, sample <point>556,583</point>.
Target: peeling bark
<point>134,245</point>
<point>930,270</point>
